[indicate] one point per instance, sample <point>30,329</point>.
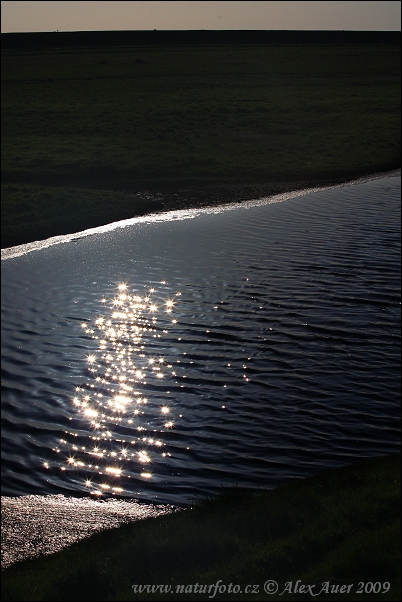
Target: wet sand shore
<point>33,525</point>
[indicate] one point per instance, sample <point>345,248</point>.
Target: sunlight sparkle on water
<point>110,407</point>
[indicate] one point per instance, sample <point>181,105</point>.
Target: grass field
<point>341,526</point>
<point>90,136</point>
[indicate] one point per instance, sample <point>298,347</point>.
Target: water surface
<point>164,359</point>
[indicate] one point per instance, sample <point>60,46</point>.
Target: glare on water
<point>111,402</point>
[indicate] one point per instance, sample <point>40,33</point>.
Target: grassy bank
<point>93,135</point>
<point>342,526</point>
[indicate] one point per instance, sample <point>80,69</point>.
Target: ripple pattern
<point>279,358</point>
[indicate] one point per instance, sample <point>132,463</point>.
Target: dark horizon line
<point>195,37</point>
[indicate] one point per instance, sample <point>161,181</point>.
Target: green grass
<point>341,526</point>
<point>97,120</point>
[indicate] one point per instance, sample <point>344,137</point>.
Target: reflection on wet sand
<point>32,525</point>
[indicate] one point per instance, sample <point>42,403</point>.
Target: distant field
<point>85,132</point>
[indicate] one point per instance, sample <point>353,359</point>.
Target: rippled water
<point>247,346</point>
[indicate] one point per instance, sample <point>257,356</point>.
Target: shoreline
<point>34,526</point>
<point>192,199</point>
<point>339,519</point>
<point>196,126</point>
<point>216,194</point>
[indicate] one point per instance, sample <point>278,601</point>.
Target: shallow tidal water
<point>160,360</point>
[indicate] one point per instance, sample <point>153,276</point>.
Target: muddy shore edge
<point>160,197</point>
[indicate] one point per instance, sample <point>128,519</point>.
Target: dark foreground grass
<point>342,526</point>
<point>187,124</point>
